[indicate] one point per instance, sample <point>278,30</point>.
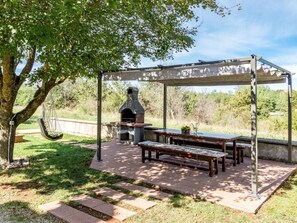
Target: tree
<point>46,42</point>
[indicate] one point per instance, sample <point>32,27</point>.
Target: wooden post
<point>289,76</point>
<point>99,114</point>
<point>254,140</point>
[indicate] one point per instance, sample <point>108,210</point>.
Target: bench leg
<point>210,162</point>
<point>142,155</point>
<point>234,153</point>
<point>224,164</point>
<point>157,155</point>
<point>216,162</point>
<point>241,154</point>
<point>170,140</point>
<point>238,155</point>
<point>150,155</point>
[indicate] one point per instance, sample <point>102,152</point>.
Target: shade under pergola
<point>251,71</point>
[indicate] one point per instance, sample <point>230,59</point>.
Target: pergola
<point>251,71</point>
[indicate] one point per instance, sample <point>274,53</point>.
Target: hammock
<point>48,123</point>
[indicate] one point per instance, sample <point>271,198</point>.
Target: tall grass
<point>264,126</point>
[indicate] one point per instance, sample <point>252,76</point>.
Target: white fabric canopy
<point>225,72</point>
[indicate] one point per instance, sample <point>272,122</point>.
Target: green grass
<point>58,171</point>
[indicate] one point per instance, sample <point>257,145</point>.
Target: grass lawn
<point>58,171</point>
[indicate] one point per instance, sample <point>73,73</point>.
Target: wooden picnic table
<point>205,137</point>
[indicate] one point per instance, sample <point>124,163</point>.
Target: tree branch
<point>16,63</point>
<point>28,67</point>
<point>61,81</point>
<point>30,61</point>
<point>39,97</point>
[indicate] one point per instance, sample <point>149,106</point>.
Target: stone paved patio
<point>230,188</point>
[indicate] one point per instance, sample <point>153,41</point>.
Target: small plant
<point>185,129</point>
<point>195,127</point>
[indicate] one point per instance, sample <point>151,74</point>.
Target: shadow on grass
<point>291,182</point>
<point>180,201</point>
<point>87,141</point>
<point>55,166</point>
<point>30,121</point>
<point>17,211</point>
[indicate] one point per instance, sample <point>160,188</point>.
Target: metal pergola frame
<point>253,60</point>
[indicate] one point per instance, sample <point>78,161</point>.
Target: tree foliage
<point>78,38</point>
<point>45,42</point>
<point>214,108</point>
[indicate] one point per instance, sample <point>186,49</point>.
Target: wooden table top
<point>206,135</point>
<point>130,124</point>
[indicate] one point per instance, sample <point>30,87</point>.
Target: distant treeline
<point>224,109</point>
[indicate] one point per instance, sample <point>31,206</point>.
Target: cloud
<point>265,28</point>
<point>260,28</point>
<point>287,56</point>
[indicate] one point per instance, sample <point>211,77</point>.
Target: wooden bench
<point>202,154</point>
<point>19,138</point>
<point>229,146</point>
<point>239,147</point>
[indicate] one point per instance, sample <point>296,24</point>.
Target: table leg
<point>157,137</point>
<point>216,166</point>
<point>210,168</point>
<point>150,155</point>
<point>241,154</point>
<point>234,153</point>
<point>158,140</point>
<point>142,155</point>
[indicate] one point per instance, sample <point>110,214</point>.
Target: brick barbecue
<point>131,125</point>
<point>132,110</point>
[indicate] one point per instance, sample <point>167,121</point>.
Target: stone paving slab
<point>68,214</point>
<point>145,191</point>
<point>230,188</point>
<point>111,210</point>
<point>125,198</point>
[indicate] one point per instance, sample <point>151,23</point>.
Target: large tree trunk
<point>7,136</point>
<point>9,88</point>
<point>4,139</point>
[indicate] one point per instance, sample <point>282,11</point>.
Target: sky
<point>262,27</point>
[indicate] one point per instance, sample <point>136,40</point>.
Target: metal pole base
<point>99,159</point>
<point>256,196</point>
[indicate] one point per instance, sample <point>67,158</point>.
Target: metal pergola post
<point>254,141</point>
<point>165,107</point>
<point>99,114</point>
<point>289,77</point>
